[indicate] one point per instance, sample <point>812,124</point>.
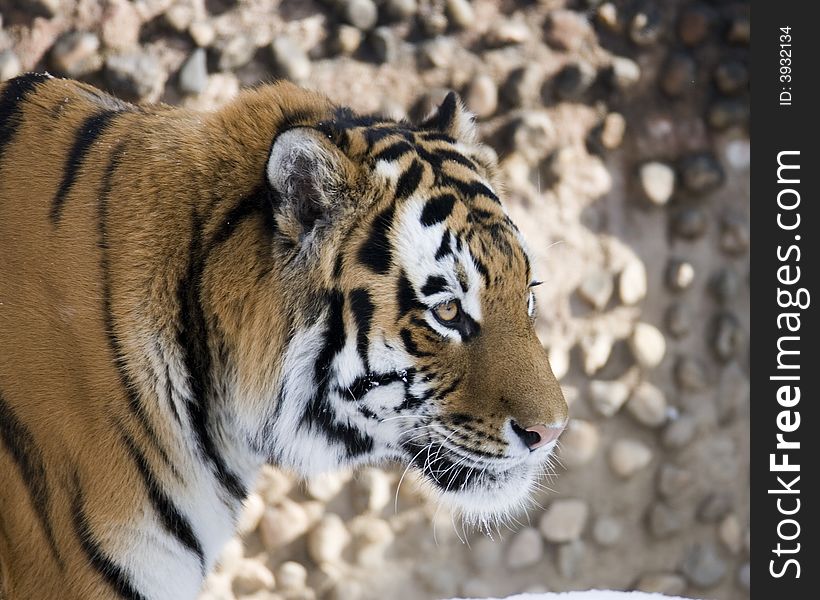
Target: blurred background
<point>622,130</point>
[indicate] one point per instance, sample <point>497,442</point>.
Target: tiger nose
<point>538,435</point>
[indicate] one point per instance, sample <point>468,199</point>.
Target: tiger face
<point>418,344</point>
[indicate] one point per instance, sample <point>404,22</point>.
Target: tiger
<point>188,296</point>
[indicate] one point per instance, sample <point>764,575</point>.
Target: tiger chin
<point>187,296</point>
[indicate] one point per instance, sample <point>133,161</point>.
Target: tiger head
<point>411,304</point>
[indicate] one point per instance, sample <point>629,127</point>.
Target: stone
<point>532,134</point>
<point>679,433</point>
<point>564,520</point>
<point>731,533</point>
<point>726,113</point>
<point>43,8</point>
<point>385,44</point>
<point>400,10</point>
<point>135,76</point>
<point>487,554</point>
<point>691,374</point>
<point>645,27</point>
<point>596,288</point>
<point>76,54</point>
<point>725,284</point>
<point>252,576</point>
<point>579,443</point>
<point>572,82</point>
<point>734,234</point>
<point>607,397</point>
<point>179,16</point>
<point>595,350</point>
<point>234,52</point>
<point>740,30</point>
<point>460,13</point>
<point>526,549</point>
<point>346,39</point>
<point>648,405</point>
<point>273,485</point>
<point>481,96</point>
<point>326,486</point>
<point>690,223</point>
<point>252,511</point>
<point>282,524</point>
<point>669,584</point>
<point>632,282</point>
<point>628,456</point>
<point>733,394</point>
<point>362,14</point>
<point>231,555</point>
<point>522,86</point>
<point>665,521</point>
<point>328,539</point>
<point>10,65</point>
<point>679,319</point>
<point>732,77</point>
<point>703,566</point>
<point>648,345</point>
<point>728,337</point>
<point>607,531</point>
<point>568,30</point>
<point>436,53</point>
<point>612,130</point>
<point>193,76</point>
<point>202,32</point>
<point>291,576</point>
<point>506,32</point>
<point>678,75</point>
<point>559,360</point>
<point>714,507</point>
<point>695,24</point>
<point>373,536</point>
<point>743,576</point>
<point>607,15</point>
<point>657,182</point>
<point>290,59</point>
<point>372,491</point>
<point>475,588</point>
<point>674,481</point>
<point>569,557</point>
<point>679,274</point>
<point>701,173</point>
<point>625,72</point>
<point>120,26</point>
<point>432,22</point>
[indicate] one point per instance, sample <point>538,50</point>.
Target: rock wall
<point>622,131</point>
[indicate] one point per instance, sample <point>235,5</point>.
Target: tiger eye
<point>447,311</point>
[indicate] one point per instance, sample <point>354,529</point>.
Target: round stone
<point>252,511</point>
<point>564,520</point>
<point>120,26</point>
<point>632,283</point>
<point>346,39</point>
<point>678,319</point>
<point>673,481</point>
<point>701,173</point>
<point>607,531</point>
<point>328,539</point>
<point>703,566</point>
<point>731,533</point>
<point>522,86</point>
<point>648,405</point>
<point>714,507</point>
<point>76,54</point>
<point>625,72</point>
<point>252,576</point>
<point>481,96</point>
<point>734,234</point>
<point>568,30</point>
<point>665,521</point>
<point>607,397</point>
<point>691,374</point>
<point>432,22</point>
<point>373,536</point>
<point>657,182</point>
<point>193,76</point>
<point>526,549</point>
<point>732,77</point>
<point>690,223</point>
<point>572,82</point>
<point>290,59</point>
<point>362,14</point>
<point>282,524</point>
<point>579,443</point>
<point>744,576</point>
<point>678,75</point>
<point>135,76</point>
<point>613,130</point>
<point>273,485</point>
<point>399,10</point>
<point>460,13</point>
<point>645,28</point>
<point>679,274</point>
<point>385,44</point>
<point>570,557</point>
<point>695,23</point>
<point>725,113</point>
<point>372,490</point>
<point>648,345</point>
<point>740,30</point>
<point>436,53</point>
<point>669,584</point>
<point>291,576</point>
<point>10,65</point>
<point>235,52</point>
<point>202,32</point>
<point>607,15</point>
<point>326,486</point>
<point>506,32</point>
<point>679,432</point>
<point>533,135</point>
<point>728,337</point>
<point>628,456</point>
<point>596,288</point>
<point>725,285</point>
<point>487,554</point>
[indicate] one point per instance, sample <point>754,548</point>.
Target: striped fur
<point>185,297</point>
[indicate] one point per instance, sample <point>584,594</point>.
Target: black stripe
<point>437,209</point>
<point>470,189</point>
<point>92,128</point>
<point>482,268</point>
<point>410,345</point>
<point>434,285</point>
<point>174,522</point>
<point>110,322</point>
<point>406,296</point>
<point>193,339</point>
<point>22,446</point>
<point>263,200</point>
<point>110,571</point>
<point>362,308</point>
<point>375,253</point>
<point>13,95</point>
<point>444,247</point>
<point>456,157</point>
<point>394,151</point>
<point>409,180</point>
<point>435,136</point>
<point>319,413</point>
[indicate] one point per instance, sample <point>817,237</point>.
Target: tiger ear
<point>451,118</point>
<point>308,175</point>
